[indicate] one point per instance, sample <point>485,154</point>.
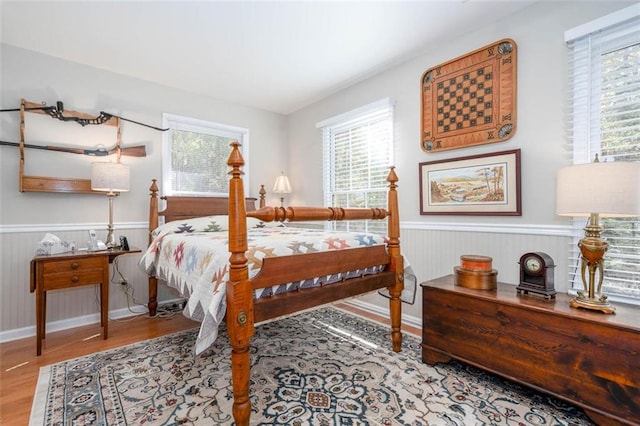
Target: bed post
<point>153,224</point>
<point>239,292</point>
<point>263,201</point>
<point>397,264</point>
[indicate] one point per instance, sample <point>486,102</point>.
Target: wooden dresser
<point>584,357</point>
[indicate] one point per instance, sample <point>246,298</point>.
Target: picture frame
<point>470,100</point>
<point>481,185</point>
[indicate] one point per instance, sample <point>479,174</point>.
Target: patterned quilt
<point>192,256</point>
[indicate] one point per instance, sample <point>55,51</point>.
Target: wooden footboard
<point>243,311</point>
<point>285,269</point>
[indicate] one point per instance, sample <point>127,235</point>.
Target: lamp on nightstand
<point>112,178</point>
<point>610,189</point>
<point>282,186</point>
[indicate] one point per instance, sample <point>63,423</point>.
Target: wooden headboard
<point>182,207</point>
<point>179,208</point>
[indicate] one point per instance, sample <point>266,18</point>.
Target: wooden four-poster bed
<point>359,268</point>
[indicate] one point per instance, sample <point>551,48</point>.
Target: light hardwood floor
<point>20,366</point>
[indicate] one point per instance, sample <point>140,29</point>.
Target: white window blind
<point>358,149</point>
<point>604,119</point>
<point>195,153</point>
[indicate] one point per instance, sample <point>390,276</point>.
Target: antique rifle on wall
<point>61,184</point>
<point>57,112</point>
<point>133,151</point>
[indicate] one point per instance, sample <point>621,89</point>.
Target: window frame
<point>179,122</point>
<point>359,119</point>
<point>585,101</point>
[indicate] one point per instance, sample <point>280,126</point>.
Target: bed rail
<point>297,214</point>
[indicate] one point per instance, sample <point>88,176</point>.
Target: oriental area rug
<point>323,367</point>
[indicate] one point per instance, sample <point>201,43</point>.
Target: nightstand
<point>67,270</point>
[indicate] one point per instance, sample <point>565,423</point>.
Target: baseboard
<point>378,310</point>
<point>25,332</point>
<point>53,326</point>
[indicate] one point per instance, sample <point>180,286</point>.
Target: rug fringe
<point>36,417</point>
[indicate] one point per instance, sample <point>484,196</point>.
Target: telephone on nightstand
<point>94,243</point>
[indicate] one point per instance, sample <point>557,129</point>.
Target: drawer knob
<point>74,265</point>
<point>75,279</point>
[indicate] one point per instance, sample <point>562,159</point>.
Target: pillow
<point>215,223</point>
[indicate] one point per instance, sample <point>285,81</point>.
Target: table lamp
<point>594,190</point>
<point>112,178</point>
<point>282,186</point>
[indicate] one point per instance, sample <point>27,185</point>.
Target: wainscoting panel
<point>432,252</point>
<point>17,303</point>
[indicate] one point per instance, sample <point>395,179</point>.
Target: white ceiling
<point>275,55</point>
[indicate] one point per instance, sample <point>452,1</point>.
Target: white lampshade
<point>109,177</point>
<point>282,185</point>
<point>611,189</point>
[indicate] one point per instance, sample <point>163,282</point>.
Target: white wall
<point>37,78</point>
<point>25,217</point>
<point>541,93</point>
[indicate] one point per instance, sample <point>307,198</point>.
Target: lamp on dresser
<point>112,178</point>
<point>595,190</point>
<point>282,186</point>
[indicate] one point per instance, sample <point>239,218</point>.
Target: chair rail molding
<point>497,228</point>
<point>58,227</point>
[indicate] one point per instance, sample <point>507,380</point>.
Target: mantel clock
<point>536,274</point>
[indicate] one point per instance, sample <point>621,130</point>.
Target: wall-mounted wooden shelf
<point>55,184</point>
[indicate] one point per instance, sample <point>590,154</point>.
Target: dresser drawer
<point>71,265</point>
<point>72,279</point>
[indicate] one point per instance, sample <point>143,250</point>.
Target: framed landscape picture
<point>486,184</point>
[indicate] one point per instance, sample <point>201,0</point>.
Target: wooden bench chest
<point>584,357</point>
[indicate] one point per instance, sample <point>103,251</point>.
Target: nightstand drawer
<point>71,265</point>
<point>72,279</point>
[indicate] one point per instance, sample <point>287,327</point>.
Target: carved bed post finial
<point>239,291</point>
<point>235,160</point>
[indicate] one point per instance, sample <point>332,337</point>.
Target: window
<point>357,153</point>
<point>604,102</point>
<point>195,153</point>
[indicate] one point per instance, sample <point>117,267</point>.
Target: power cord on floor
<point>129,291</point>
<point>125,319</point>
<point>170,309</point>
<point>165,310</point>
<point>117,278</point>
